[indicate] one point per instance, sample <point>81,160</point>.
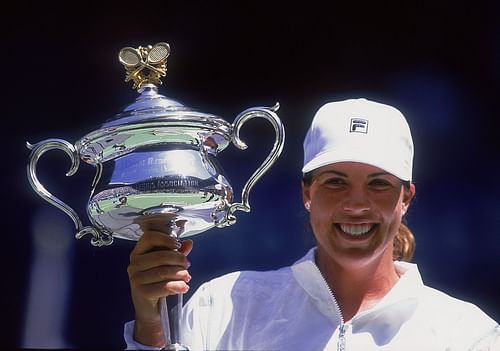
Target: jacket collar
<point>396,307</point>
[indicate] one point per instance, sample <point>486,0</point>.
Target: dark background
<point>438,62</point>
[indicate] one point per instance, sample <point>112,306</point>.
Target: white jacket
<point>293,309</point>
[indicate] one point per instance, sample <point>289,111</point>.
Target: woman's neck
<point>358,288</point>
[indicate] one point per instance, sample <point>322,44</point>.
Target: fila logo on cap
<point>359,125</point>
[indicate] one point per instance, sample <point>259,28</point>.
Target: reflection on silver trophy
<point>157,158</point>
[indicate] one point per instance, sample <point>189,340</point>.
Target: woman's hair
<point>404,242</point>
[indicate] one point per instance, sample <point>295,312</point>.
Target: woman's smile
<point>361,230</point>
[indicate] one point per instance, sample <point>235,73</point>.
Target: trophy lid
<point>152,119</point>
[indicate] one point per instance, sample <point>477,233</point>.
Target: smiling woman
<point>404,241</point>
<point>355,212</point>
<point>353,291</point>
<point>356,206</point>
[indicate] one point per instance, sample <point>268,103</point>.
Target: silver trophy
<point>157,158</point>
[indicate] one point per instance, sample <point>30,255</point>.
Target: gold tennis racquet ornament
<point>157,158</point>
<point>145,65</point>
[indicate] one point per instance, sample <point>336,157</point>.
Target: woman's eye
<point>380,183</point>
<point>334,181</point>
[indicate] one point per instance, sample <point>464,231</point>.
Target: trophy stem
<point>170,311</point>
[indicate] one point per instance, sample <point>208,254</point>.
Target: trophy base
<point>175,347</point>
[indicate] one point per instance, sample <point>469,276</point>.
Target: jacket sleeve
<point>194,324</point>
<point>128,335</point>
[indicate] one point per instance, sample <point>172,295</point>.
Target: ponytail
<point>404,244</point>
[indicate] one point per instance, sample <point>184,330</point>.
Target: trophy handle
<point>268,113</point>
<point>37,150</point>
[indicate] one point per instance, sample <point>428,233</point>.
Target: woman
<point>348,293</point>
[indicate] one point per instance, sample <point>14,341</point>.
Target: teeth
<point>356,229</point>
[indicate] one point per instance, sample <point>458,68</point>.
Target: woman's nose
<point>356,201</point>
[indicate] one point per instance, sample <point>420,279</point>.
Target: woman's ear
<point>306,198</point>
<point>408,195</point>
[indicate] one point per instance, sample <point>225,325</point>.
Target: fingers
<point>162,274</point>
<point>158,266</point>
<point>159,258</point>
<point>161,281</point>
<point>186,247</point>
<point>158,290</point>
<point>153,240</point>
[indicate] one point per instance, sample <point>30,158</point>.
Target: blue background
<point>439,63</point>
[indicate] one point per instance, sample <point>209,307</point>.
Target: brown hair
<point>404,242</point>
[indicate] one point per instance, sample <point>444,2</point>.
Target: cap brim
<point>374,158</point>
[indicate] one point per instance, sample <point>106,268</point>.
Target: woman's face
<point>355,211</point>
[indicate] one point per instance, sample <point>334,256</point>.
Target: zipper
<point>341,343</point>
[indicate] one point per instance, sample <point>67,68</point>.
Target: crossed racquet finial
<point>152,58</point>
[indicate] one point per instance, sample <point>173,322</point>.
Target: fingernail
<point>178,244</point>
<point>188,264</point>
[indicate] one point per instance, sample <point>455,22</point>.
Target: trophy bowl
<point>157,158</point>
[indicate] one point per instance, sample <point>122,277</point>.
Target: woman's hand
<point>158,267</point>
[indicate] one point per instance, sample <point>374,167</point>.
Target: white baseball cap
<point>360,130</point>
